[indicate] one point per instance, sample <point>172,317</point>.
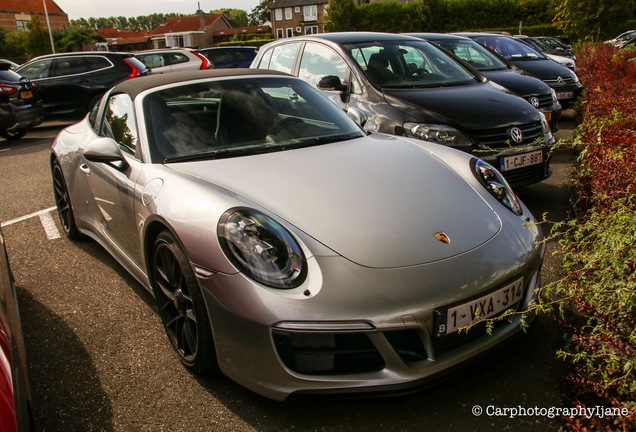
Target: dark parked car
<point>499,70</point>
<point>230,57</point>
<point>407,86</point>
<point>15,394</point>
<point>20,109</point>
<point>70,83</point>
<point>563,80</point>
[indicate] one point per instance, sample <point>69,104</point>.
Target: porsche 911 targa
<point>287,247</point>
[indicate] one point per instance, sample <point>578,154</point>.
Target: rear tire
<point>181,305</point>
<point>13,135</point>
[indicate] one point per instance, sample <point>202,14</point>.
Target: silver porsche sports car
<point>287,247</point>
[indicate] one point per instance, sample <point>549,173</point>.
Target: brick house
<point>194,31</point>
<point>297,17</point>
<point>16,14</point>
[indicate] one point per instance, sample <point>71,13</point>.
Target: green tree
<point>592,20</point>
<point>260,13</point>
<point>341,16</point>
<point>76,38</point>
<point>238,16</point>
<point>37,38</point>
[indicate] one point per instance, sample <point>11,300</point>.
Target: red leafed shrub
<point>608,130</point>
<point>597,298</point>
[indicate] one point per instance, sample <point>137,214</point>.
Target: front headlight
<point>555,99</point>
<point>440,134</point>
<point>497,185</point>
<point>262,248</point>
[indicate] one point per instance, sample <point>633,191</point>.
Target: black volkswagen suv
<point>407,86</point>
<point>563,80</point>
<point>70,83</point>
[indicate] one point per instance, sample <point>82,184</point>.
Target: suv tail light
<point>205,63</point>
<point>135,72</point>
<point>8,89</point>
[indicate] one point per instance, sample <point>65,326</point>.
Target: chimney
<point>202,23</point>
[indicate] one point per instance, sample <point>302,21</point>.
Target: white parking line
<point>49,226</point>
<point>45,218</point>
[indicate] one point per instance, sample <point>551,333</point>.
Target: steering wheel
<point>416,73</point>
<point>283,124</point>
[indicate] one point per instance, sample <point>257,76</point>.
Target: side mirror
<point>331,82</point>
<point>105,150</point>
<point>357,116</point>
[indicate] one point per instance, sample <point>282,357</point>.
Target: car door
<point>112,185</point>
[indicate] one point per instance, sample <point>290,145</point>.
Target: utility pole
<point>48,25</point>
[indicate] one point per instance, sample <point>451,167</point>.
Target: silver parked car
<point>287,246</point>
<point>173,60</point>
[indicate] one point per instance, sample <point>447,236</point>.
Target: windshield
<point>240,116</point>
<point>408,64</point>
<point>478,56</point>
<point>509,48</point>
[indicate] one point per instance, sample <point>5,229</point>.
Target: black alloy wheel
<point>63,203</point>
<point>13,135</point>
<point>181,305</point>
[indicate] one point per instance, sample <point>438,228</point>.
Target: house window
<point>297,9</point>
<point>22,25</point>
<point>288,13</point>
<point>178,40</point>
<point>280,33</point>
<point>311,30</point>
<point>290,32</point>
<point>310,13</point>
<point>278,14</point>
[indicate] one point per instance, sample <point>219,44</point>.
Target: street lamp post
<point>48,25</point>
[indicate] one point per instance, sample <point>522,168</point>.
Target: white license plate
<point>565,95</point>
<point>520,160</point>
<point>450,320</point>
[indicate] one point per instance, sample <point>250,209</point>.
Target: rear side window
<point>175,58</point>
<point>96,63</point>
<point>282,58</point>
<point>68,66</point>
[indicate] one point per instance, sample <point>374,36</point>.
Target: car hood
<point>544,69</point>
<point>519,83</point>
<point>470,107</point>
<point>377,201</point>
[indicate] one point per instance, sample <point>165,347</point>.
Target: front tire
<point>181,305</point>
<point>63,203</point>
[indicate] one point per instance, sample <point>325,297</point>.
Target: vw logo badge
<point>534,101</point>
<point>516,134</point>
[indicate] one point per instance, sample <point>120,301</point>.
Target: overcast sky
<point>134,8</point>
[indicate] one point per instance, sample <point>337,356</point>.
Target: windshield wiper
<point>318,140</point>
<point>212,154</point>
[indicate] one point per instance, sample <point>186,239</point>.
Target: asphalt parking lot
<point>100,361</point>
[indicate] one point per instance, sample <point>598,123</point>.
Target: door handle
<point>85,169</point>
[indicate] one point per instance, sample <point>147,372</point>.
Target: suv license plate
<point>520,160</point>
<point>450,320</point>
<point>565,95</point>
<point>26,95</point>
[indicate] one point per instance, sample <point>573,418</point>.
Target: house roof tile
<point>30,6</point>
